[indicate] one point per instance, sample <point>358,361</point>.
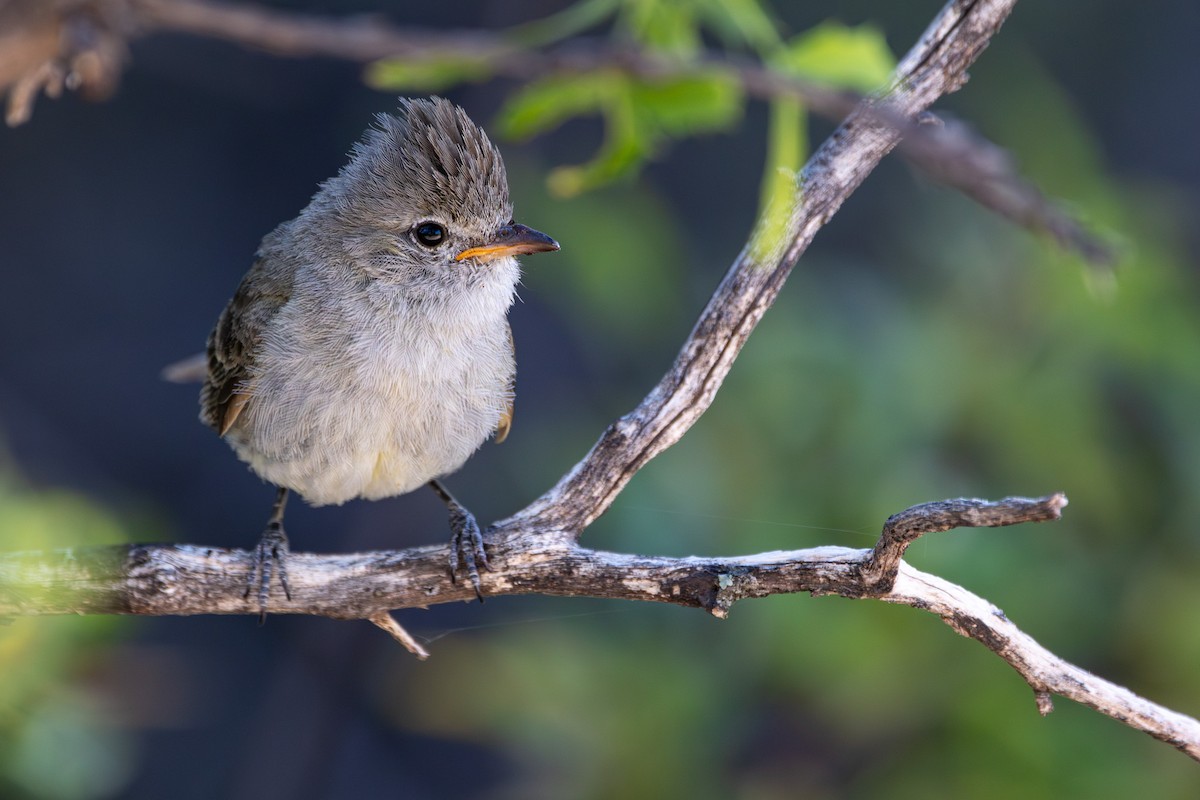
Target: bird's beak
<point>510,240</point>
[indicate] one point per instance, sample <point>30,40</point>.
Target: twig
<point>386,621</point>
<point>903,529</point>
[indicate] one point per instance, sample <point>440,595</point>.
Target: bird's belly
<point>395,472</point>
<point>379,433</point>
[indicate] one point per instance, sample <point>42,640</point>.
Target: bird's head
<point>424,200</point>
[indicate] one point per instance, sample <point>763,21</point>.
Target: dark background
<point>922,350</point>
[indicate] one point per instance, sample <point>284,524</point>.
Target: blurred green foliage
<point>957,357</point>
<point>57,739</point>
<point>966,359</point>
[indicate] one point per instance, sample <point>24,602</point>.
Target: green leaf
<point>544,105</point>
<point>619,157</point>
<point>638,116</point>
<point>392,74</point>
<point>627,143</point>
<point>689,105</point>
<point>856,58</point>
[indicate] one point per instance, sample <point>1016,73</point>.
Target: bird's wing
<point>505,423</point>
<point>233,343</point>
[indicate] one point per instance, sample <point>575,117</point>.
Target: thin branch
<point>386,621</point>
<point>955,155</point>
<point>1046,673</point>
<point>904,528</point>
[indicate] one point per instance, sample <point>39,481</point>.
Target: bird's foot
<point>466,547</point>
<point>270,557</point>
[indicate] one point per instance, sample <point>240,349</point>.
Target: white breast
<point>371,396</point>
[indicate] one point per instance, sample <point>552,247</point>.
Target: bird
<point>367,352</point>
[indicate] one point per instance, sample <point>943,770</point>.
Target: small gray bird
<point>367,351</point>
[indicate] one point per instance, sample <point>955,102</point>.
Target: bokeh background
<point>922,349</point>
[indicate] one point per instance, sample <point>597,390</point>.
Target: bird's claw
<point>466,547</point>
<point>269,557</point>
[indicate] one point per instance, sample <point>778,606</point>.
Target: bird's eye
<point>430,234</point>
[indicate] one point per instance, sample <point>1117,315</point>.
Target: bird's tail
<point>192,369</point>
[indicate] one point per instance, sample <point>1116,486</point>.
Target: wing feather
<point>505,423</point>
<point>234,341</point>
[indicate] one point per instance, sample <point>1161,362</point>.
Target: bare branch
<point>1046,673</point>
<point>181,579</point>
<point>184,580</point>
<point>953,154</point>
<point>386,621</point>
<point>904,528</point>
